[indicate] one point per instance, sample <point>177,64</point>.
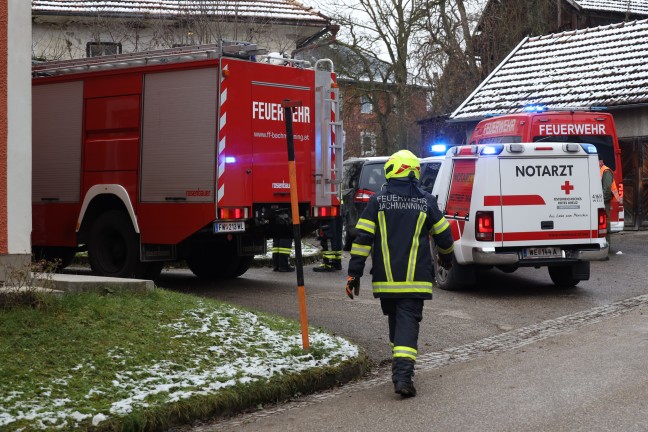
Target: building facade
<point>64,29</point>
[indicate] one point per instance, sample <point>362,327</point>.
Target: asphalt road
<point>501,302</point>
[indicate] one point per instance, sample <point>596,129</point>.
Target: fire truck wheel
<point>346,235</point>
<point>458,277</point>
<point>243,266</point>
<point>113,247</point>
<point>153,269</point>
<point>216,261</point>
<point>59,257</point>
<point>562,276</point>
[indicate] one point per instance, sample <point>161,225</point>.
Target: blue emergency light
<point>438,148</point>
<point>230,159</point>
<point>589,148</point>
<point>535,108</point>
<point>491,150</point>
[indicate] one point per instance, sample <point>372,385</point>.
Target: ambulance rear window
<point>603,143</point>
<point>500,139</point>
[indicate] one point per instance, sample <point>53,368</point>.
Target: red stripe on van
<point>513,200</point>
<point>546,235</point>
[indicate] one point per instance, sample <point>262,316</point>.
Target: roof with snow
<point>283,11</point>
<point>599,66</point>
<point>639,7</point>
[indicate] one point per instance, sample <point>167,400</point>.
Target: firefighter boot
<point>337,263</point>
<point>402,373</point>
<point>325,267</point>
<point>283,264</point>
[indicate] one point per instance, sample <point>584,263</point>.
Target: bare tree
<point>448,56</point>
<point>377,38</point>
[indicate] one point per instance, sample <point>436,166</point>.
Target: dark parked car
<point>363,177</point>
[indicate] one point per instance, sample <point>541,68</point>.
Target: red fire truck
<point>578,126</point>
<point>179,154</point>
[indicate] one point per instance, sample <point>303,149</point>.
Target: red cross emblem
<point>567,187</point>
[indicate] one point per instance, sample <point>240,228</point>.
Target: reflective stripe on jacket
<point>396,226</point>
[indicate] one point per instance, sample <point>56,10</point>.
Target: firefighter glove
<point>445,260</point>
<point>353,286</point>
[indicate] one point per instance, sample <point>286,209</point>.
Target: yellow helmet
<point>401,164</point>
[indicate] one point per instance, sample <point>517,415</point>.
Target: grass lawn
<point>124,361</point>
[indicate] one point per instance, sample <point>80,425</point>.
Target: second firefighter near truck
<point>395,229</point>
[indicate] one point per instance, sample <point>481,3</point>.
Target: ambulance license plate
<point>229,227</point>
<point>542,252</point>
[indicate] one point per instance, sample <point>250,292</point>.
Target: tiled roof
<point>601,66</point>
<point>274,10</point>
<point>639,7</point>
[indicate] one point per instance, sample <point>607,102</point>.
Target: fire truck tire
<point>346,235</point>
<point>113,247</point>
<point>458,277</point>
<point>59,256</point>
<point>153,269</point>
<point>243,266</point>
<point>562,276</point>
<point>215,261</point>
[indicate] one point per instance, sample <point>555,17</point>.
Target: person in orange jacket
<point>610,191</point>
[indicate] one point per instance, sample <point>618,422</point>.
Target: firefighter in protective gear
<point>395,228</point>
<point>331,232</point>
<point>610,191</point>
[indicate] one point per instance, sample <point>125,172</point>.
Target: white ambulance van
<point>522,205</point>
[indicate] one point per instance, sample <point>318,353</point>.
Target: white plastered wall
<point>19,128</point>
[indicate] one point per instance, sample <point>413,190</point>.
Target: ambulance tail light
<point>484,226</point>
<point>233,213</point>
<point>602,223</point>
<point>363,195</point>
<point>328,211</point>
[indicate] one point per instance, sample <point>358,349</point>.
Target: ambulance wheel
<point>562,276</point>
<point>113,247</point>
<point>458,277</point>
<point>58,257</point>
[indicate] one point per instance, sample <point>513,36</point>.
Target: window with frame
<point>367,143</point>
<point>96,49</point>
<point>366,107</point>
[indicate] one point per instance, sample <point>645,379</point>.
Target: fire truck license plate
<point>542,252</point>
<point>229,227</point>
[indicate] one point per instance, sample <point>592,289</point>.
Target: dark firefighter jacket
<point>397,223</point>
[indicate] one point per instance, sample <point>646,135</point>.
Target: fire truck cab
<point>522,205</point>
<point>179,154</point>
<point>537,124</point>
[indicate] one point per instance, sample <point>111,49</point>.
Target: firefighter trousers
<point>404,316</point>
<point>331,232</point>
<point>281,248</point>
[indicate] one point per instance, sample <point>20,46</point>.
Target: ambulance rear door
<point>545,201</point>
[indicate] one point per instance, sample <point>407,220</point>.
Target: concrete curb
<point>82,283</point>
